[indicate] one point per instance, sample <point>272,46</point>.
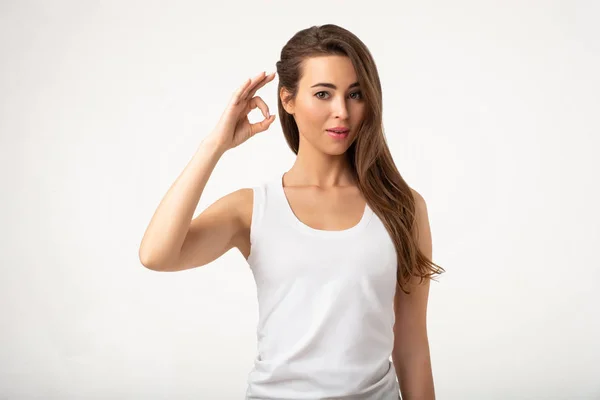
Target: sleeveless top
<point>325,305</point>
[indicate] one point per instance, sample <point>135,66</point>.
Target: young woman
<point>339,245</point>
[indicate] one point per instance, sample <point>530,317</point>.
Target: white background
<point>491,110</point>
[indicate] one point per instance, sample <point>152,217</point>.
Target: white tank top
<point>325,305</point>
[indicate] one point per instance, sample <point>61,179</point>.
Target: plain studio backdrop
<point>491,111</point>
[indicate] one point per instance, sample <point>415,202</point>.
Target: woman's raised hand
<point>233,127</point>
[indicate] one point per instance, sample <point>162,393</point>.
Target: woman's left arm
<point>411,345</point>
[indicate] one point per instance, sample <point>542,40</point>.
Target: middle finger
<point>253,83</point>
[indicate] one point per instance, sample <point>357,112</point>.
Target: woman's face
<point>328,97</point>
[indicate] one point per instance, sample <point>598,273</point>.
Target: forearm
<point>170,223</point>
<point>414,374</point>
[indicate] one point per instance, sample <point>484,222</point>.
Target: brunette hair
<point>378,179</point>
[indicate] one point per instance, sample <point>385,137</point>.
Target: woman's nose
<point>341,108</point>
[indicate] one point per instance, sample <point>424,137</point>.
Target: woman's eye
<point>318,95</point>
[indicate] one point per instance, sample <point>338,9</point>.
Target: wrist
<point>214,143</point>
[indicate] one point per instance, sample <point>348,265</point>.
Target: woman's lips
<point>338,134</point>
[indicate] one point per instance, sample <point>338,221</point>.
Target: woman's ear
<point>286,101</point>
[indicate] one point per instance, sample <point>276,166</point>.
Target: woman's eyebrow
<point>331,85</point>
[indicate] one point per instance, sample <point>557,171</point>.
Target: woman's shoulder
<point>419,200</point>
<point>241,202</point>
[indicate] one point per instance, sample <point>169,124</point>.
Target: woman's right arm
<point>165,235</point>
<point>173,241</point>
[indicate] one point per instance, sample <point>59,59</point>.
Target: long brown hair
<point>371,162</point>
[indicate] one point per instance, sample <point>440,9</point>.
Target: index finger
<point>267,79</point>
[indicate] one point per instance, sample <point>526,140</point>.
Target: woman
<point>339,245</point>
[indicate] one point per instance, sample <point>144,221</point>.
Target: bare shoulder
<point>239,205</point>
<point>423,229</point>
<point>244,199</point>
<point>420,204</point>
<point>417,196</point>
<point>235,204</point>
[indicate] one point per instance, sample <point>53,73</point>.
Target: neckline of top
<point>291,216</point>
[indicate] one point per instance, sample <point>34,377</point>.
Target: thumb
<point>262,125</point>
